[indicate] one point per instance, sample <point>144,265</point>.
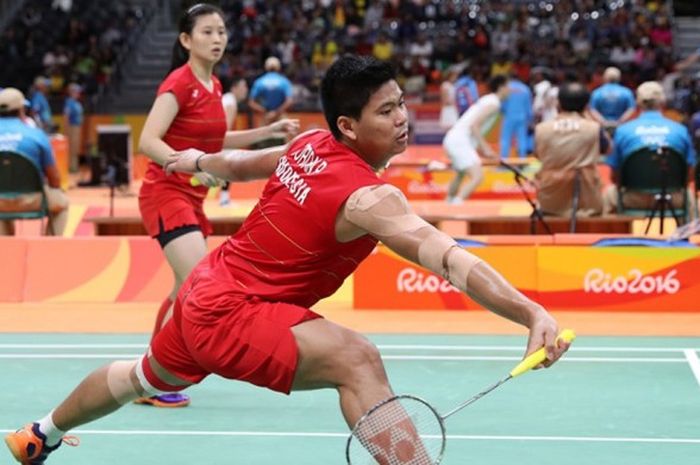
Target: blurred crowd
<point>423,38</point>
<point>68,41</point>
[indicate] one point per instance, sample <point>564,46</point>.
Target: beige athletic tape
<point>432,252</point>
<point>442,255</point>
<point>459,265</point>
<point>148,388</point>
<point>382,211</point>
<point>119,382</point>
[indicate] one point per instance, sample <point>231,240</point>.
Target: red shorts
<point>164,207</point>
<point>247,340</point>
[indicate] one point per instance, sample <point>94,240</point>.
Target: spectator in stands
<point>517,117</point>
<point>612,103</point>
<point>650,130</point>
<point>271,93</point>
<point>40,105</point>
<point>73,125</point>
<point>467,136</point>
<point>16,136</point>
<point>383,49</point>
<point>569,147</point>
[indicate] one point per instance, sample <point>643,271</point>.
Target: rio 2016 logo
<point>597,281</point>
<point>410,280</point>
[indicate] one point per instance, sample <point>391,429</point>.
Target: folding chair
<point>658,173</point>
<point>22,194</point>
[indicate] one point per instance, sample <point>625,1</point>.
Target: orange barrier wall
<point>620,278</point>
<point>129,269</point>
<point>100,269</point>
<point>387,281</point>
<point>560,277</point>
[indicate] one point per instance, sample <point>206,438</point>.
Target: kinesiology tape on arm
<point>382,211</point>
<point>442,255</point>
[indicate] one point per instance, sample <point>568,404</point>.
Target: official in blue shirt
<point>612,104</point>
<point>271,94</point>
<point>517,116</point>
<point>651,129</point>
<point>40,105</point>
<point>73,124</point>
<point>17,136</point>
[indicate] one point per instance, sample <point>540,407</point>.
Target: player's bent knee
<point>362,357</point>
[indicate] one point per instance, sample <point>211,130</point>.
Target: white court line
<point>300,434</point>
<point>73,346</point>
<point>692,358</point>
<point>380,346</point>
<point>573,348</point>
<point>384,357</point>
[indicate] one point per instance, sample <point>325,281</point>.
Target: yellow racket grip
<point>539,356</point>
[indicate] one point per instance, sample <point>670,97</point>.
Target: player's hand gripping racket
<point>406,430</point>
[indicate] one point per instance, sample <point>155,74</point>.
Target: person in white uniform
<point>448,105</point>
<point>466,138</point>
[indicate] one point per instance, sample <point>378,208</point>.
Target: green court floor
<point>612,401</point>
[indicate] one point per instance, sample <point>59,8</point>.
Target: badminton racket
<point>407,430</point>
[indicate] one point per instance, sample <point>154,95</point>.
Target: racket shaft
<point>475,398</point>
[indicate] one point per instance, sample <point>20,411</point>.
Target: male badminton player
<point>244,312</point>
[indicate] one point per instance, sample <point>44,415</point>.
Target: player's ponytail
<point>186,25</point>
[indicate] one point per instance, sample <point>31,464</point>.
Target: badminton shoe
<point>28,445</point>
<point>169,400</point>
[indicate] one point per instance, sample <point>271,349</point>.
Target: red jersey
<point>200,123</point>
<point>286,250</point>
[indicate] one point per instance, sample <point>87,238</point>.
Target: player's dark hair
<point>187,21</point>
<point>348,85</point>
<point>573,96</point>
<point>497,81</point>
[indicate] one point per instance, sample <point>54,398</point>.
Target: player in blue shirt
<point>17,136</point>
<point>517,116</point>
<point>651,129</point>
<point>612,104</point>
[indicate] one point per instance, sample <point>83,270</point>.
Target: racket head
<point>401,430</point>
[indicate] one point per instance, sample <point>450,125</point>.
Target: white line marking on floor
<point>692,358</point>
<point>467,437</point>
<point>467,348</point>
<point>446,358</point>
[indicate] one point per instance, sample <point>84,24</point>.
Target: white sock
<point>48,429</point>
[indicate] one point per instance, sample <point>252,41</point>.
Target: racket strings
<point>399,432</point>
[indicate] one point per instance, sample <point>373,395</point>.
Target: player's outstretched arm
<point>384,213</point>
<point>232,165</point>
<point>284,128</point>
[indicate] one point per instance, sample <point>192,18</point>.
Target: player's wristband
<point>196,163</point>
